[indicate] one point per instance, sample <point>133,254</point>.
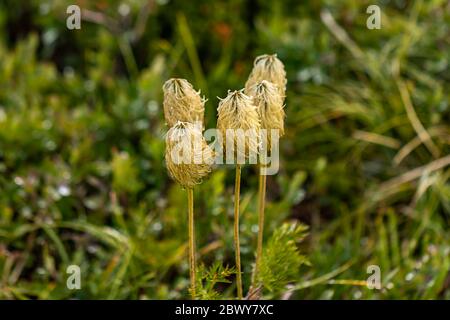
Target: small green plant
<point>281,259</point>
<point>208,278</point>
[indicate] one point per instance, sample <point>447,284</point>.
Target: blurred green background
<point>364,162</point>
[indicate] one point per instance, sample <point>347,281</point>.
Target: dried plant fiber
<point>270,68</point>
<point>188,156</point>
<point>182,102</point>
<point>237,111</point>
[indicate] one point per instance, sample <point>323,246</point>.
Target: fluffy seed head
<point>188,156</point>
<point>270,68</point>
<point>182,102</point>
<point>237,111</point>
<point>269,104</point>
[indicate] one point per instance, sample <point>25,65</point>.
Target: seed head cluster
<point>260,105</point>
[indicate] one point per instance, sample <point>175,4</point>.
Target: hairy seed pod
<point>269,104</point>
<point>237,112</point>
<point>270,68</point>
<point>182,102</point>
<point>188,157</point>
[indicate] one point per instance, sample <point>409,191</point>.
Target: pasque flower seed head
<point>269,104</point>
<point>188,157</point>
<point>270,68</point>
<point>182,102</point>
<point>237,111</point>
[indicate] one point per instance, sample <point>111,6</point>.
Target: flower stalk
<point>237,246</point>
<point>188,172</point>
<point>261,208</point>
<point>237,112</point>
<point>191,244</point>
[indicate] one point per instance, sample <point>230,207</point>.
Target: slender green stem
<point>237,188</point>
<point>261,207</point>
<point>191,241</point>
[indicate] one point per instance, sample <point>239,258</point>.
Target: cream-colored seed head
<point>237,111</point>
<point>188,157</point>
<point>182,102</point>
<point>269,104</point>
<point>270,68</point>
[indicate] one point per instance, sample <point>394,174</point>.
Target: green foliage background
<point>364,163</point>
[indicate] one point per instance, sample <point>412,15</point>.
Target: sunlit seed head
<point>270,68</point>
<point>182,102</point>
<point>269,104</point>
<point>188,156</point>
<point>237,111</point>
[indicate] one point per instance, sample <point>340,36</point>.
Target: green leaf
<point>281,260</point>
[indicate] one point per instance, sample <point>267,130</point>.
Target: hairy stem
<point>237,188</point>
<point>261,207</point>
<point>191,240</point>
